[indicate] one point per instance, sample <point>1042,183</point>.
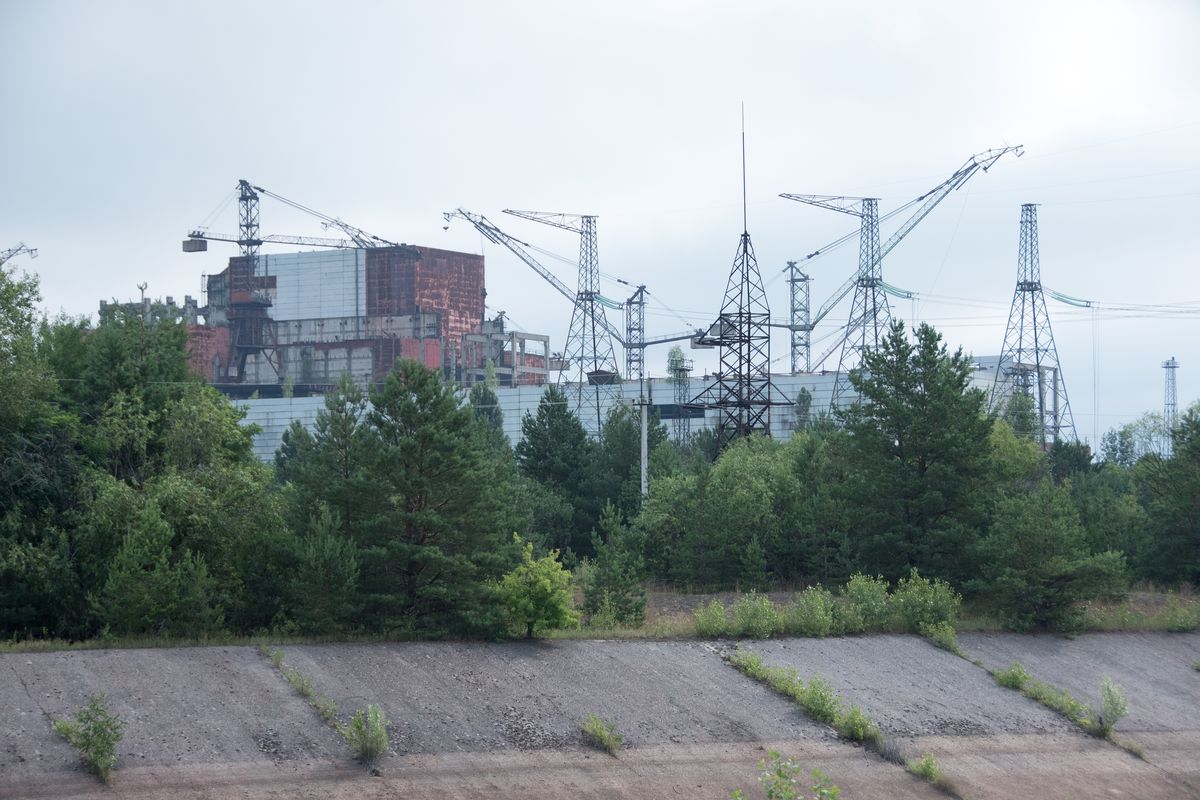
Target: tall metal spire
<point>870,314</point>
<point>741,390</point>
<point>1029,360</point>
<point>1170,406</point>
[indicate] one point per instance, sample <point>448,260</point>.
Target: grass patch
<point>1099,722</point>
<point>925,767</point>
<point>818,699</point>
<point>1196,665</point>
<point>781,779</point>
<point>367,734</point>
<point>303,686</point>
<point>601,734</point>
<point>95,731</point>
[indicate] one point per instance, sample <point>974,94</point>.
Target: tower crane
<point>924,204</point>
<point>634,339</point>
<point>13,252</point>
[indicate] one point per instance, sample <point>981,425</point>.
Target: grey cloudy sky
<point>127,123</point>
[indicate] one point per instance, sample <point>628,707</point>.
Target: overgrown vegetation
<point>917,605</point>
<point>601,734</point>
<point>131,503</point>
<point>819,700</point>
<point>95,731</point>
<point>1099,722</point>
<point>780,779</point>
<point>537,593</point>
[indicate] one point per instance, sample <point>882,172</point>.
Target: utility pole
<point>645,404</point>
<point>1170,406</point>
<point>1029,360</point>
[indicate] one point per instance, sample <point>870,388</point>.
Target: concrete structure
<point>306,319</point>
<point>274,415</point>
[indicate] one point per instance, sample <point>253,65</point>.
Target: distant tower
<point>1029,360</point>
<point>741,391</point>
<point>591,381</point>
<point>1170,406</point>
<point>800,318</point>
<point>679,369</point>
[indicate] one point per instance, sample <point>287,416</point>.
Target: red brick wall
<point>204,342</point>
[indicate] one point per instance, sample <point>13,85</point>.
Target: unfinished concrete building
<point>305,319</point>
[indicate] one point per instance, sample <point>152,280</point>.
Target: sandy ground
<point>501,720</point>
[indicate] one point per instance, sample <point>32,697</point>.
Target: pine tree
<point>614,580</point>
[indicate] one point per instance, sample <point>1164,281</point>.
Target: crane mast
<point>13,252</point>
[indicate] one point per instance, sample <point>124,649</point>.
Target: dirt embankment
<point>501,720</point>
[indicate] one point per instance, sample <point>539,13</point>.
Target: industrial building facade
<point>306,319</point>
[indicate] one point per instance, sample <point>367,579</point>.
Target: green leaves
<point>537,593</point>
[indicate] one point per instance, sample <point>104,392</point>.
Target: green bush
<point>919,601</point>
<point>1060,700</point>
<point>367,734</point>
<point>537,593</point>
<point>95,731</point>
<point>819,700</point>
<point>1015,677</point>
<point>870,597</point>
<point>855,725</point>
<point>711,619</point>
<point>602,734</point>
<point>1113,706</point>
<point>754,616</point>
<point>811,613</point>
<point>942,634</point>
<point>926,767</point>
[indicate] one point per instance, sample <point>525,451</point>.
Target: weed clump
<point>1015,677</point>
<point>1113,707</point>
<point>602,734</point>
<point>942,634</point>
<point>367,734</point>
<point>780,780</point>
<point>925,767</point>
<point>95,731</point>
<point>856,726</point>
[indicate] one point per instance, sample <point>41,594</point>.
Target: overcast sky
<point>126,124</point>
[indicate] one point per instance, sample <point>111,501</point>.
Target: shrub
<point>602,734</point>
<point>749,662</point>
<point>1015,677</point>
<point>942,634</point>
<point>537,593</point>
<point>711,619</point>
<point>925,767</point>
<point>855,725</point>
<point>819,700</point>
<point>870,597</point>
<point>1113,706</point>
<point>367,734</point>
<point>811,614</point>
<point>919,601</point>
<point>754,616</point>
<point>613,579</point>
<point>1181,618</point>
<point>1060,700</point>
<point>95,731</point>
<point>1196,665</point>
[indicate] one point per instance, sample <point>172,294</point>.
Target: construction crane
<point>248,196</point>
<point>924,204</point>
<point>633,341</point>
<point>588,351</point>
<point>13,252</point>
<point>249,321</point>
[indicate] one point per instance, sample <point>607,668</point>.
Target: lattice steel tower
<point>742,389</point>
<point>679,370</point>
<point>590,381</point>
<point>1029,360</point>
<point>1170,406</point>
<point>799,318</point>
